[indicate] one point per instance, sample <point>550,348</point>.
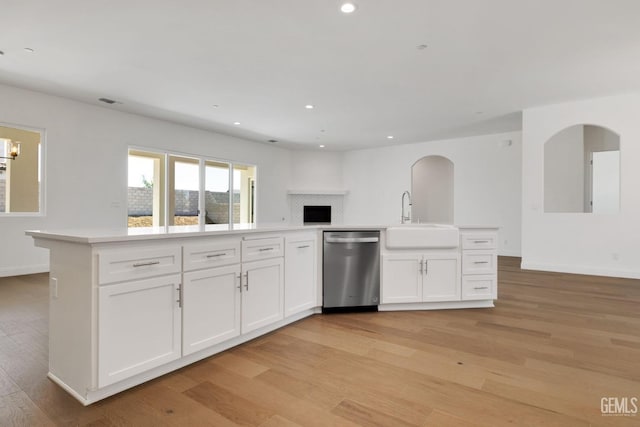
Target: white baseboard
<point>446,305</point>
<point>509,253</point>
<point>579,269</point>
<point>20,271</point>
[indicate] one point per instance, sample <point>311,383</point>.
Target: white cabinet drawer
<point>214,254</point>
<point>479,241</point>
<point>116,265</point>
<point>479,287</point>
<point>479,262</point>
<point>257,249</point>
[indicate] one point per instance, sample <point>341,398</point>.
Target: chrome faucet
<point>406,217</point>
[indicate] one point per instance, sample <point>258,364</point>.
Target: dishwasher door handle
<point>351,239</point>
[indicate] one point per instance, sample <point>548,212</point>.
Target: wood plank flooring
<point>553,346</point>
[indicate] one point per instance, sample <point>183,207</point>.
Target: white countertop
<point>102,235</point>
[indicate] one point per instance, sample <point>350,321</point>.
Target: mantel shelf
<point>319,192</point>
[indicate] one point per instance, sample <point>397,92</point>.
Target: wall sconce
<point>13,150</point>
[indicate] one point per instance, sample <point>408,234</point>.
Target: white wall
<point>602,244</point>
<point>316,170</point>
<point>487,182</point>
<point>86,162</point>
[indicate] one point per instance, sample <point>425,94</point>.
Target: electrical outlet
<point>53,283</point>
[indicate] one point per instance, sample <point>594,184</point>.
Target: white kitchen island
<point>129,305</point>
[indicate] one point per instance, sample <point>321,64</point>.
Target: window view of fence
<point>167,189</point>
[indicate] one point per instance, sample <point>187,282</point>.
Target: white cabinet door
<point>138,327</point>
<point>210,308</point>
<point>401,278</point>
<point>300,282</point>
<point>262,293</point>
<point>441,280</point>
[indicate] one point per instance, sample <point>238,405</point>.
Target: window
<point>145,193</point>
<point>244,183</point>
<point>216,182</point>
<point>188,190</point>
<point>20,177</point>
<point>184,190</point>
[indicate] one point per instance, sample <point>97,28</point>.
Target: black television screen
<point>317,215</point>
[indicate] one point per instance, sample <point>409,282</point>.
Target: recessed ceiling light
<point>236,123</point>
<point>321,145</point>
<point>309,107</point>
<point>389,136</point>
<point>422,46</point>
<point>348,8</point>
<point>479,112</point>
<point>28,49</point>
<point>273,141</point>
<point>215,105</point>
<point>321,130</point>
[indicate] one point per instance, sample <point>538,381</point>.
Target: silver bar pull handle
<point>145,264</point>
<point>246,281</point>
<point>179,301</point>
<point>265,249</point>
<point>480,241</point>
<point>239,277</point>
<point>304,246</point>
<point>421,268</point>
<point>426,267</point>
<point>481,262</point>
<point>481,287</point>
<point>332,239</point>
<point>216,255</point>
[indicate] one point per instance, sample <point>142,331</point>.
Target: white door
<point>401,278</point>
<point>606,182</point>
<point>300,288</point>
<point>138,327</point>
<point>211,307</point>
<point>262,293</point>
<point>441,279</point>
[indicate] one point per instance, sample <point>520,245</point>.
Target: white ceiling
<point>262,61</point>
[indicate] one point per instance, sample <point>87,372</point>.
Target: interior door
<point>606,182</point>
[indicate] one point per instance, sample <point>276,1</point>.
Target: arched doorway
<point>432,190</point>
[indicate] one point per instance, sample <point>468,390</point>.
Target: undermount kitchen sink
<point>422,236</point>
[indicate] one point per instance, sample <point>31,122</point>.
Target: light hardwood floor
<point>551,349</point>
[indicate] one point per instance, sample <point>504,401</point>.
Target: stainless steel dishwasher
<point>351,270</point>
